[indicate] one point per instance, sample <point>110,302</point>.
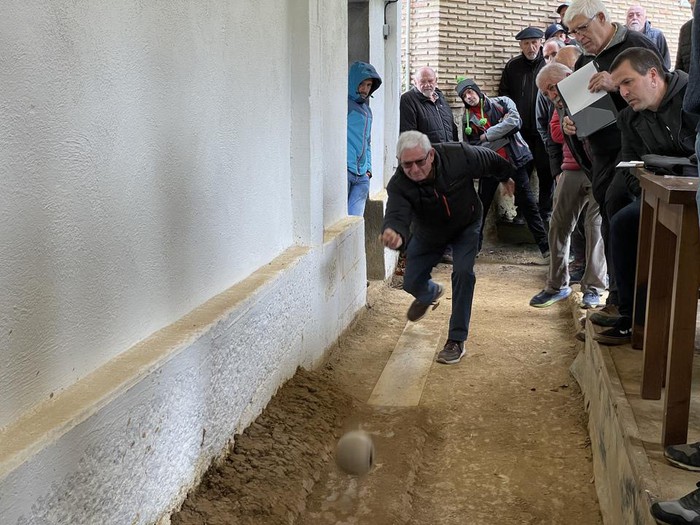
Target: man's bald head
<point>548,78</point>
<point>425,80</point>
<point>568,55</point>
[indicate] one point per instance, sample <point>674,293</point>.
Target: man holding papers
<point>602,41</point>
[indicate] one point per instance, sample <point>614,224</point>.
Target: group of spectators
<point>433,204</point>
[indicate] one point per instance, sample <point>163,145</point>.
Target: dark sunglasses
<point>420,162</point>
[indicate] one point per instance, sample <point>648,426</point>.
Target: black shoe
<point>620,334</point>
<point>417,310</point>
<point>678,511</point>
<point>451,353</point>
<point>684,456</point>
<point>447,258</point>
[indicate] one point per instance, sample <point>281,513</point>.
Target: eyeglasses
<point>406,165</point>
<point>584,28</point>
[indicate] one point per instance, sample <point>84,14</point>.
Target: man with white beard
<point>423,108</point>
<point>637,21</point>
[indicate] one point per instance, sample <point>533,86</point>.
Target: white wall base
<point>125,444</point>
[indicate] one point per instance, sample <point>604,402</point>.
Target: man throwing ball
<point>433,187</point>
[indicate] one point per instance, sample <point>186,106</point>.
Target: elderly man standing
<point>602,41</point>
<point>572,195</point>
<point>518,84</point>
<point>434,187</point>
<point>637,21</point>
<point>423,108</point>
<point>684,43</point>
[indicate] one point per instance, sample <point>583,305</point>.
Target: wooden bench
<point>668,265</point>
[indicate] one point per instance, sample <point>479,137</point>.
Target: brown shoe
<point>417,310</point>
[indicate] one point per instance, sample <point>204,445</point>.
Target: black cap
<point>529,32</point>
<point>562,6</point>
<point>553,30</point>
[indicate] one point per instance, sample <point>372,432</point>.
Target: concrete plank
<point>403,378</point>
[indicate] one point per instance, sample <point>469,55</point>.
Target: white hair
<point>411,139</point>
<point>587,8</point>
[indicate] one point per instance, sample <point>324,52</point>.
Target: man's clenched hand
<point>391,239</point>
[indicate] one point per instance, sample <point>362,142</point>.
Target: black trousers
<point>541,163</point>
<point>524,200</point>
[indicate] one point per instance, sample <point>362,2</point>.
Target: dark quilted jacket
<point>418,112</point>
<point>683,54</point>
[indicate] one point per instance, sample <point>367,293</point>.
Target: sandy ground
<point>499,438</point>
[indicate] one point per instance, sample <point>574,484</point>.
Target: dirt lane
<point>499,438</point>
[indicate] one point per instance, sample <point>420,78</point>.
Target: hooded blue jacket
<point>360,118</point>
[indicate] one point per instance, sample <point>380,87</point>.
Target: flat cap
<point>529,32</point>
<point>553,30</point>
<point>562,6</point>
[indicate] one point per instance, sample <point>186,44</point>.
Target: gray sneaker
<point>684,456</point>
<point>451,353</point>
<point>417,310</point>
<point>677,511</point>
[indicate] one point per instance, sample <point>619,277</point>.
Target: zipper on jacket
<point>670,134</point>
<point>365,114</point>
<point>444,201</point>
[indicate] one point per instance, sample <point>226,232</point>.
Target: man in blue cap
<point>555,30</point>
<point>518,84</point>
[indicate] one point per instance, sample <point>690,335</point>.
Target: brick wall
<point>476,37</point>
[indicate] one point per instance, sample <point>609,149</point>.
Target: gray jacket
<point>503,132</point>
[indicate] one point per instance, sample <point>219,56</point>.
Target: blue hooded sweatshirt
<point>360,118</point>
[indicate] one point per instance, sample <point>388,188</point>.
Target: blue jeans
<point>421,256</point>
<point>358,191</point>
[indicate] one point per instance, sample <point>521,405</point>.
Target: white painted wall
<point>154,155</point>
<point>145,156</point>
